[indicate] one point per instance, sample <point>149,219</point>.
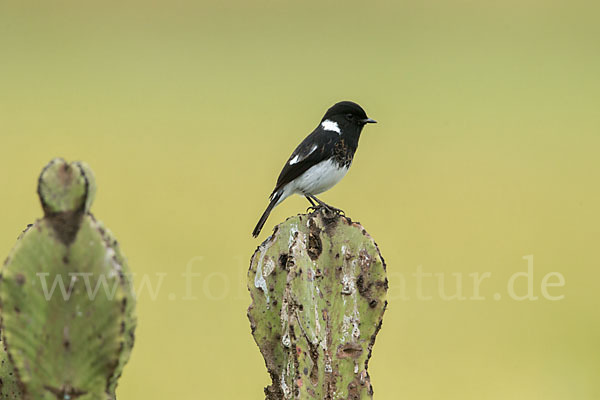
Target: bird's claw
<point>326,208</point>
<point>312,209</point>
<point>336,211</point>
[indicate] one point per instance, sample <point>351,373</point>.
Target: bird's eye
<point>349,117</point>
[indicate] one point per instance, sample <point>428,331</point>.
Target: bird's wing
<point>316,147</point>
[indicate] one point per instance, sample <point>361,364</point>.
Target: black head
<point>349,116</point>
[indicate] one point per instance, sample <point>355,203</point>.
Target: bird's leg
<point>325,205</point>
<point>313,205</point>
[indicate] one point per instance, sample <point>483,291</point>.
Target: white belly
<point>318,178</point>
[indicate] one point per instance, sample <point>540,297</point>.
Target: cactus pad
<point>67,301</point>
<point>318,286</point>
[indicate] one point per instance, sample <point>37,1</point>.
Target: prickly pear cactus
<point>66,297</point>
<point>318,286</point>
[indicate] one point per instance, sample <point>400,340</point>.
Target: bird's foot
<point>317,205</point>
<point>328,210</point>
<point>336,211</point>
<point>312,209</point>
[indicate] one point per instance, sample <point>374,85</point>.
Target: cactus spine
<point>318,286</point>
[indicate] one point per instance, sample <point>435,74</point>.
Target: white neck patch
<point>329,125</point>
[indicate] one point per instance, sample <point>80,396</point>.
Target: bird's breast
<point>320,177</point>
<point>343,152</point>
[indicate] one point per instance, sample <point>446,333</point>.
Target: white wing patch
<point>329,125</point>
<point>299,157</point>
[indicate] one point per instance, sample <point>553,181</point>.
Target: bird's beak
<point>368,121</point>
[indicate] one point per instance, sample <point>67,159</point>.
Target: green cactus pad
<point>10,387</point>
<point>67,301</point>
<point>318,286</point>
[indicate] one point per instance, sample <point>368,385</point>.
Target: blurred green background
<point>486,152</point>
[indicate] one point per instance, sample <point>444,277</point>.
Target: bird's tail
<point>261,222</point>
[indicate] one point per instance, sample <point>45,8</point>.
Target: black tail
<point>263,218</point>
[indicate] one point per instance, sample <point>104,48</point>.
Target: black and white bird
<point>322,159</point>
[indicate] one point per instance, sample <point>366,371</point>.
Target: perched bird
<point>322,159</point>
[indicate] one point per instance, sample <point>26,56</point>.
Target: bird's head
<point>345,117</point>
